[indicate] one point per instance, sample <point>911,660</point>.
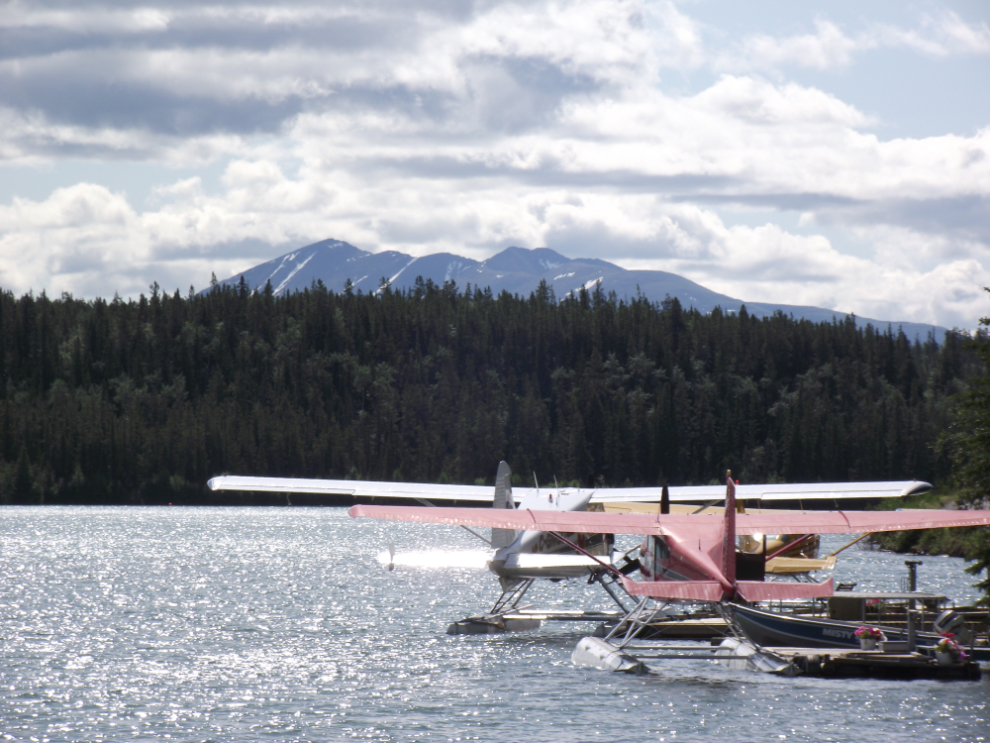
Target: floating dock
<point>841,663</point>
<point>527,619</point>
<point>740,655</point>
<point>676,628</point>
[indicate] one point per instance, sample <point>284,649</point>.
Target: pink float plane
<point>684,557</point>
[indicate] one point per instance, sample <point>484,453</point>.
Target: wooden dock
<point>702,628</point>
<point>636,657</point>
<point>842,663</point>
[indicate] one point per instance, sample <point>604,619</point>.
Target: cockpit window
<point>661,550</point>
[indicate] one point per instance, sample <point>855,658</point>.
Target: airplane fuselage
<point>661,560</point>
<point>539,554</point>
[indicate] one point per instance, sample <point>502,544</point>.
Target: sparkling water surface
<point>281,624</point>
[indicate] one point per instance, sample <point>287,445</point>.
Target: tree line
<point>966,443</point>
<point>142,401</point>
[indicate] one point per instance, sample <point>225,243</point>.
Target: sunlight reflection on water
<point>438,559</point>
<point>281,624</point>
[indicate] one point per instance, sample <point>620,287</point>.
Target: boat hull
<point>786,630</point>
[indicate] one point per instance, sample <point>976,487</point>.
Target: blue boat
<point>772,629</point>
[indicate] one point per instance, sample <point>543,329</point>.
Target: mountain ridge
<point>519,271</point>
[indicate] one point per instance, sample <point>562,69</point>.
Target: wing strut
<point>861,536</point>
<point>465,528</point>
<point>584,552</point>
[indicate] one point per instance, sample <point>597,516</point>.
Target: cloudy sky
<point>824,153</point>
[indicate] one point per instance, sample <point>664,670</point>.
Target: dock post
<point>912,640</point>
<point>912,566</point>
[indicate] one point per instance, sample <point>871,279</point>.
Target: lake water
<point>250,624</point>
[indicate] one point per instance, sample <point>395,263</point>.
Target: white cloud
<point>939,35</point>
<point>76,238</point>
<point>470,128</point>
<point>827,48</point>
<point>767,264</point>
<point>95,19</point>
<point>971,38</point>
<point>67,208</point>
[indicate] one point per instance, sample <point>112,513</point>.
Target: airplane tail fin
<point>503,499</point>
<point>729,537</point>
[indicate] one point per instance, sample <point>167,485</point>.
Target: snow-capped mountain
<point>518,271</point>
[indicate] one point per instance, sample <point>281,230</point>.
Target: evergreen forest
<point>143,401</point>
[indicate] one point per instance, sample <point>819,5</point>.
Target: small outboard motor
<point>949,621</point>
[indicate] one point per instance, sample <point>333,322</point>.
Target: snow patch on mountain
<point>394,278</point>
<point>292,273</point>
<point>517,271</point>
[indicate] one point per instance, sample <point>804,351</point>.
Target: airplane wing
<point>356,488</point>
<point>654,508</point>
<point>485,493</point>
<point>855,522</point>
<point>813,522</point>
<point>794,492</point>
<point>797,565</point>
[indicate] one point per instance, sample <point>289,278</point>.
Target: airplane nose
<point>497,567</point>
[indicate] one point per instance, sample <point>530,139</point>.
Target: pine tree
<point>968,442</point>
<point>24,490</point>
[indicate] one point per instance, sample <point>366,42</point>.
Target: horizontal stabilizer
<point>754,590</point>
<point>675,590</point>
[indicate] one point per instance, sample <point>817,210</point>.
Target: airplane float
<point>684,557</point>
<point>524,555</point>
